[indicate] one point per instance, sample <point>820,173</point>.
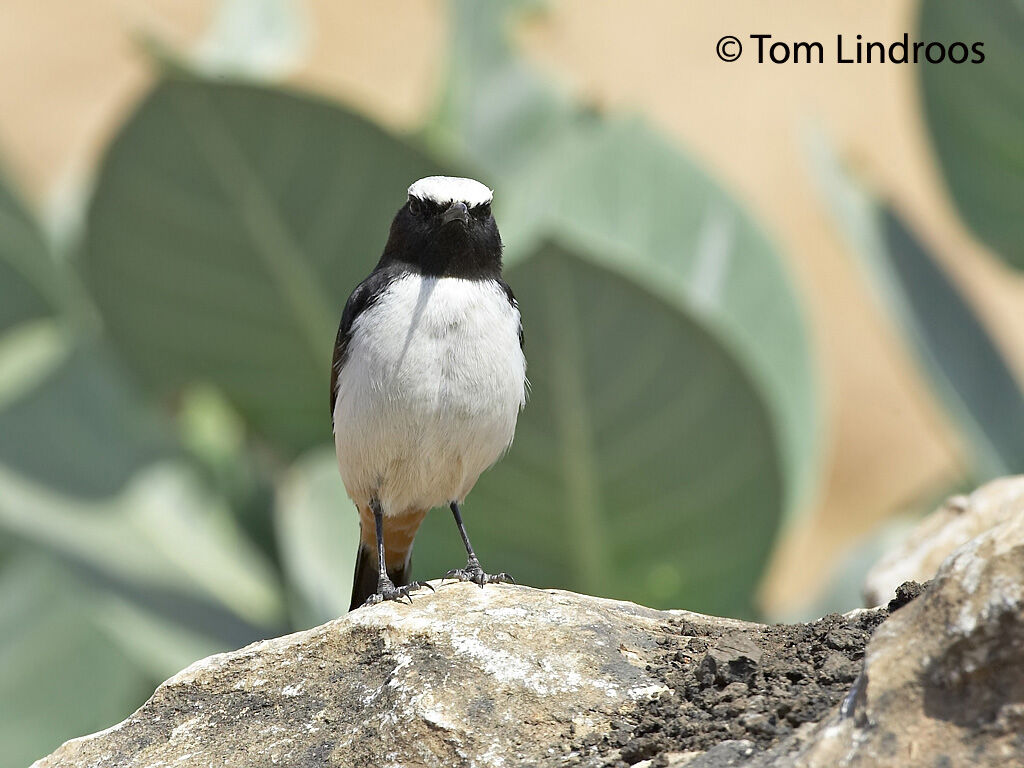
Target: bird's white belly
<point>430,392</point>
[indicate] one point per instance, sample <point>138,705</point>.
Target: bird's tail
<point>364,582</point>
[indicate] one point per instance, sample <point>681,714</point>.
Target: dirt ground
<point>749,688</point>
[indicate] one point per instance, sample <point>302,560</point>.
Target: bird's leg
<point>473,572</point>
<point>386,589</point>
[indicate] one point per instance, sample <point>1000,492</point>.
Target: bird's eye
<point>415,206</point>
<point>482,211</point>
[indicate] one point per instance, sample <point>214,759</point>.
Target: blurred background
<point>809,273</point>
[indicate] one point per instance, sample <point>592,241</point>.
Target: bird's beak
<point>456,212</point>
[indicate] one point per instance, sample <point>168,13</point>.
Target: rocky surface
<point>512,676</point>
<point>466,676</point>
<point>952,525</point>
<point>503,676</point>
<point>943,679</point>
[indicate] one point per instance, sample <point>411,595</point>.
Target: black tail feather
<point>364,582</point>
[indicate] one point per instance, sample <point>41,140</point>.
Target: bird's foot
<point>386,590</point>
<point>473,572</point>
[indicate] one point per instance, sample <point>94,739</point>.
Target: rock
<point>906,593</point>
<point>512,676</point>
<point>500,676</point>
<point>953,524</point>
<point>943,679</point>
<point>468,676</point>
<point>728,754</point>
<point>733,659</point>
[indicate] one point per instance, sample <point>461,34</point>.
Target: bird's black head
<point>446,229</point>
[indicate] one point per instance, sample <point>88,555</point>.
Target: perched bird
<point>428,379</point>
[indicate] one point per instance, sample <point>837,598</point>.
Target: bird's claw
<point>388,591</point>
<point>474,573</point>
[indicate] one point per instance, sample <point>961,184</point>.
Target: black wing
<point>362,298</point>
<point>515,304</point>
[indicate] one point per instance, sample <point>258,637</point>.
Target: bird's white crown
<point>451,189</point>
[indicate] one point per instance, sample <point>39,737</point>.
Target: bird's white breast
<point>430,392</point>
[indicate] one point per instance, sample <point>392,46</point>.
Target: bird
<point>427,381</point>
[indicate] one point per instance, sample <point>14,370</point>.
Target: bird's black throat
<point>422,240</point>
